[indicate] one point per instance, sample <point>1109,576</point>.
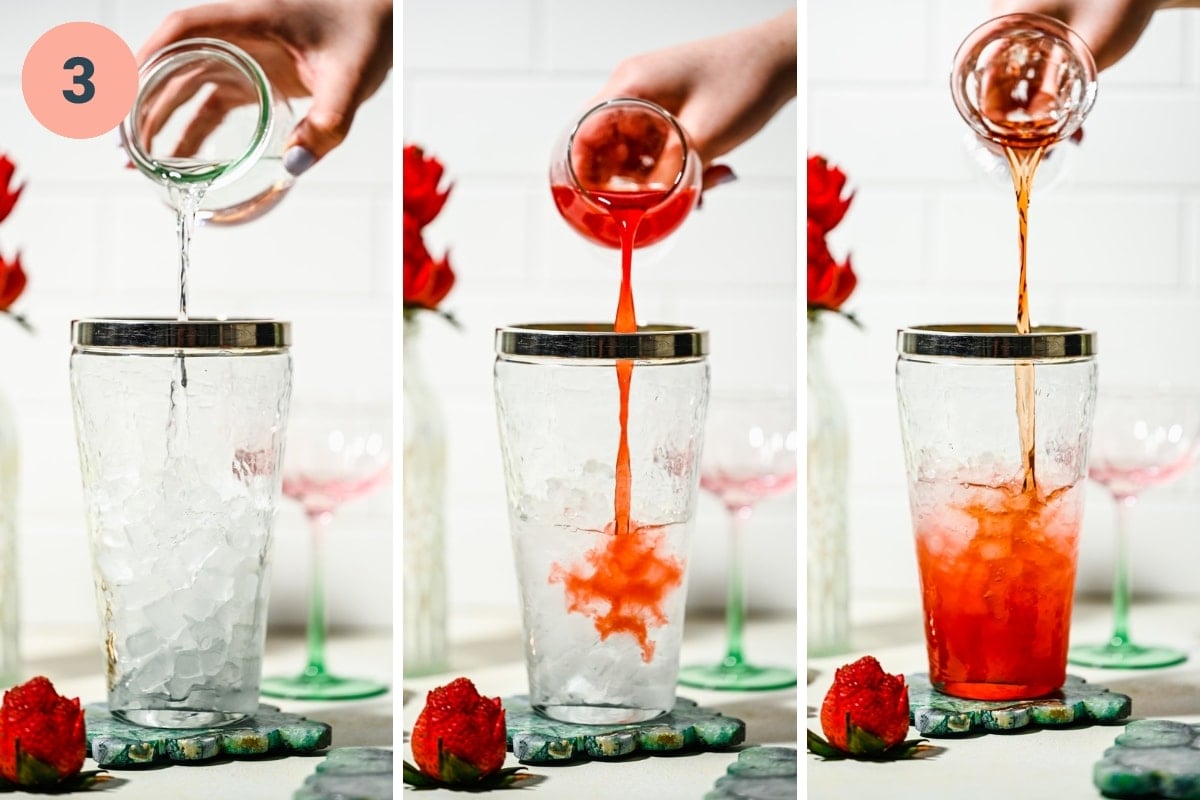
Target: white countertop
<point>1033,765</point>
<point>71,658</point>
<point>487,649</point>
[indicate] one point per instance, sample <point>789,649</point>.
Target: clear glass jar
<point>621,154</point>
<point>602,589</point>
<point>180,427</point>
<point>424,514</point>
<point>997,497</point>
<point>828,604</point>
<point>206,115</point>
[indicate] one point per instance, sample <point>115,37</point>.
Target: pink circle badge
<point>79,80</point>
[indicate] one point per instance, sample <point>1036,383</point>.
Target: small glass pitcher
<point>625,153</point>
<point>1022,81</point>
<point>206,115</point>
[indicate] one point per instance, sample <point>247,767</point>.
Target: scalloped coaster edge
<point>535,739</point>
<point>1078,702</point>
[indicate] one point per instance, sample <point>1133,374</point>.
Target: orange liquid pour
<point>998,602</point>
<point>1023,162</point>
<point>623,582</point>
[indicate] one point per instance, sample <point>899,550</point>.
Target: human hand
<point>722,90</point>
<point>337,51</point>
<point>1110,28</point>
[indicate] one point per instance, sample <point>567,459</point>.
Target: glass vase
<point>424,514</point>
<point>828,558</point>
<point>10,662</point>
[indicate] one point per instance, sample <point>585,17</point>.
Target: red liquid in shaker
<point>997,569</point>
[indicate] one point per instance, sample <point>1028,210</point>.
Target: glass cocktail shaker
<point>996,554</point>
<point>602,607</point>
<point>180,427</point>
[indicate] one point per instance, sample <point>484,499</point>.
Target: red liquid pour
<point>663,213</point>
<point>623,582</point>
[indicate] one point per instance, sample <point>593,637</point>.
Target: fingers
<point>335,100</point>
<point>215,20</point>
<point>717,175</point>
<point>208,117</point>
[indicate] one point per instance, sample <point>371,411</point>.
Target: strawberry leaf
<point>823,748</point>
<point>862,742</point>
<point>414,777</point>
<point>33,772</point>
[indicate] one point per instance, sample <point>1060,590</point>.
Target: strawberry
<point>459,737</point>
<point>865,714</point>
<point>42,737</point>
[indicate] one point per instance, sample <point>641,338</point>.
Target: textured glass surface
<point>559,431</point>
<point>180,462</point>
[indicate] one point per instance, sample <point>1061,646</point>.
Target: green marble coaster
<point>760,773</point>
<point>1152,758</point>
<point>538,740</point>
<point>1077,702</point>
<point>350,773</point>
<point>115,743</point>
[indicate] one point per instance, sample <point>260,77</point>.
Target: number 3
<point>87,89</point>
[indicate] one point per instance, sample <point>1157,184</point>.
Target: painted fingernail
<point>298,159</point>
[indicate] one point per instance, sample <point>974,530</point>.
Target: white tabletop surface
<point>71,658</point>
<point>487,649</point>
<point>1039,765</point>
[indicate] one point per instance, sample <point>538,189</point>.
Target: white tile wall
<point>1114,245</point>
<point>96,241</point>
<point>488,85</point>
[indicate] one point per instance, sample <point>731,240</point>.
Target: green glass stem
<point>1121,575</point>
<point>735,604</point>
<point>315,668</point>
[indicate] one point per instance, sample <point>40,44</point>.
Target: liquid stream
<point>624,581</point>
<point>1023,161</point>
<point>186,199</point>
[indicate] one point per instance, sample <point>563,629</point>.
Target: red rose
<point>422,175</point>
<point>12,281</point>
<point>829,283</point>
<point>427,281</point>
<point>826,206</point>
<point>866,710</point>
<point>8,195</point>
<point>459,737</point>
<point>42,736</point>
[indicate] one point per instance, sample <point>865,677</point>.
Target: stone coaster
<point>538,740</point>
<point>361,773</point>
<point>760,773</point>
<point>115,743</point>
<point>1077,702</point>
<point>1152,758</point>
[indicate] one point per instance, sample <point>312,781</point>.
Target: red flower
<point>826,206</point>
<point>866,710</point>
<point>42,736</point>
<point>459,737</point>
<point>829,283</point>
<point>12,281</point>
<point>426,281</point>
<point>8,195</point>
<point>422,174</point>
